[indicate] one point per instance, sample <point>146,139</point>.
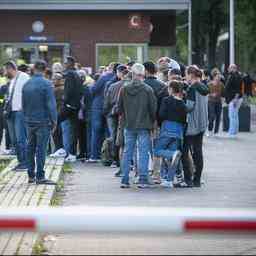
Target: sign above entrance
<point>38,39</point>
<point>135,21</point>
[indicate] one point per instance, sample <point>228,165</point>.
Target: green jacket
<point>138,105</point>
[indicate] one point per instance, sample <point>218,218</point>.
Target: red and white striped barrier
<point>124,219</point>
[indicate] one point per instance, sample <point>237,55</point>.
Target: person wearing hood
<point>197,122</point>
<point>138,105</point>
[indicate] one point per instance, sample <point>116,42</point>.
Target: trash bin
<point>244,119</point>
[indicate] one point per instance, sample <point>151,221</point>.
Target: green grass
<point>56,200</point>
<point>60,186</point>
<point>58,197</point>
<point>4,164</point>
<point>39,248</point>
<point>67,168</point>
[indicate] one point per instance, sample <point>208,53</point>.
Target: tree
<point>209,19</point>
<point>245,34</point>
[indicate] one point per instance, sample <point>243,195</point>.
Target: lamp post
<point>232,32</point>
<point>190,33</point>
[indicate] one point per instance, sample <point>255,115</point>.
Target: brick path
<point>14,192</point>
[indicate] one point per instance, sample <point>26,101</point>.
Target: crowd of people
<point>148,118</point>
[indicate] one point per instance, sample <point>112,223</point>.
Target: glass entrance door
<point>29,52</point>
<point>51,53</point>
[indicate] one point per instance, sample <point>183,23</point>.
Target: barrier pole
<point>126,219</point>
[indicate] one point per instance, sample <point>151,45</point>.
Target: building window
<point>30,52</point>
<point>123,53</point>
<point>155,53</point>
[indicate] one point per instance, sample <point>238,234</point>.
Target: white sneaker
<point>162,180</point>
<point>167,184</point>
<point>8,152</point>
<point>142,186</point>
<point>176,158</point>
<point>151,182</point>
<point>59,153</point>
<point>114,165</point>
<point>93,161</point>
<point>136,180</point>
<point>70,159</point>
<point>209,134</point>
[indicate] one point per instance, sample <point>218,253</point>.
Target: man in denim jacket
<point>40,111</point>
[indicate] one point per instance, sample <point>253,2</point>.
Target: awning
<point>100,5</point>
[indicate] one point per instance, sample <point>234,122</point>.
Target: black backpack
<point>106,152</point>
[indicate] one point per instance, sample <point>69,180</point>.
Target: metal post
<point>190,33</point>
<point>232,33</point>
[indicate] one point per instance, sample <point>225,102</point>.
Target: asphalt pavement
<point>230,182</point>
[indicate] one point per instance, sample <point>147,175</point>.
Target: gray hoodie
<point>138,105</point>
<point>197,101</point>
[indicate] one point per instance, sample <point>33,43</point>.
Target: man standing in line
<point>14,114</point>
<point>161,91</point>
<point>73,92</point>
<point>97,122</point>
<point>40,111</point>
<point>234,99</point>
<point>138,105</point>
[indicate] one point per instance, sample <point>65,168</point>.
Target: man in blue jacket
<point>97,91</point>
<point>40,111</point>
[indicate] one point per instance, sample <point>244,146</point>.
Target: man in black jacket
<point>73,92</point>
<point>161,91</point>
<point>159,88</point>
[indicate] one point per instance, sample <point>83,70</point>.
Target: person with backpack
<point>111,112</point>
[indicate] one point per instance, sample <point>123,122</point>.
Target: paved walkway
<point>14,192</point>
<point>229,176</point>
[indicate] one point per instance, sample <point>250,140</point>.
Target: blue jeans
<point>18,135</point>
<point>165,147</point>
<point>66,135</point>
<point>97,134</point>
<point>233,113</point>
<point>88,124</point>
<point>38,139</point>
<point>170,140</point>
<point>131,136</point>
